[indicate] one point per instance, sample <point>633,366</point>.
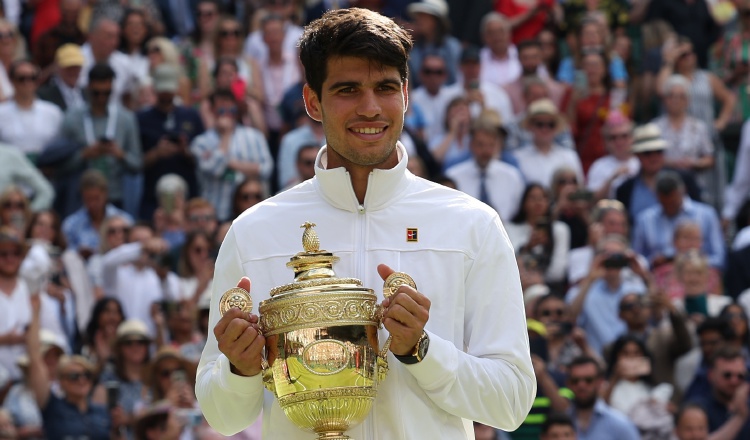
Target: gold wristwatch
<point>420,351</point>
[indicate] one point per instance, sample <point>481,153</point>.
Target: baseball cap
<point>69,55</point>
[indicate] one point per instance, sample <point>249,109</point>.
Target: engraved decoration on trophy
<point>323,361</point>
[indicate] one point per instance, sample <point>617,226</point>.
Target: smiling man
<point>460,351</point>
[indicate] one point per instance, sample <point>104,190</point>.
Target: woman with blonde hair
<point>161,50</point>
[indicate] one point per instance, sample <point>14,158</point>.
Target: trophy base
<point>333,436</point>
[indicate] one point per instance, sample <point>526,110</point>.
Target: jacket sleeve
<point>492,382</point>
<point>26,173</point>
<point>229,402</point>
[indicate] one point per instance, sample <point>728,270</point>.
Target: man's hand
<point>240,340</point>
<point>405,316</point>
<point>738,405</point>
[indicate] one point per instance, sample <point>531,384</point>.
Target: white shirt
<point>605,167</point>
<point>495,98</point>
<point>538,167</point>
<point>519,235</point>
<point>739,190</point>
<point>6,87</point>
<point>433,108</point>
<point>277,79</point>
<point>29,130</point>
<point>504,184</point>
<point>742,239</point>
<point>126,76</point>
<point>497,71</point>
<point>256,48</point>
<point>15,316</point>
<point>464,263</point>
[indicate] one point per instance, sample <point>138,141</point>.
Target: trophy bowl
<point>322,360</point>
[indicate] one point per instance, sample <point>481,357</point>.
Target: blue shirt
<point>63,420</point>
<point>641,199</point>
<point>654,231</point>
<point>567,71</point>
<point>599,316</point>
<point>80,233</point>
<point>607,423</point>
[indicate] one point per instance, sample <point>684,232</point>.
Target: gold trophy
<point>322,360</point>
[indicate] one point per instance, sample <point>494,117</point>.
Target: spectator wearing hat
<point>433,95</point>
<point>485,177</point>
<point>63,89</point>
<point>654,226</point>
<point>14,300</point>
<point>608,172</point>
<point>539,160</point>
<point>638,192</point>
<point>431,32</point>
<point>67,31</point>
<point>28,122</point>
<point>172,378</point>
<point>166,130</point>
<point>499,56</point>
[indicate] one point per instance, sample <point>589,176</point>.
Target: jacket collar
<point>383,187</point>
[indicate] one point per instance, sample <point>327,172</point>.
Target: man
<point>654,227</point>
<point>500,65</point>
<point>530,58</point>
<point>66,32</point>
<point>17,169</point>
<point>558,427</point>
<point>228,153</point>
<point>201,217</point>
<point>691,373</point>
<point>594,419</point>
<point>254,45</point>
<point>637,193</point>
<point>108,135</point>
<point>356,66</point>
<point>82,228</point>
<point>307,133</point>
<point>486,177</point>
<point>727,403</point>
<point>608,172</point>
<point>433,96</point>
<point>306,156</point>
<point>28,122</point>
<point>63,89</point>
<point>166,132</point>
<point>595,301</point>
<point>14,301</point>
<point>482,95</point>
<point>104,37</point>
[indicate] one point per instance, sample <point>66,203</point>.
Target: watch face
<point>423,345</point>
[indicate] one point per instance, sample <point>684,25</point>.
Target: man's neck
<point>8,284</point>
<point>544,147</point>
<point>502,53</point>
<point>97,216</point>
<point>97,110</point>
<point>676,119</point>
<point>613,284</point>
<point>275,57</point>
<point>360,174</point>
<point>100,57</point>
<point>24,102</point>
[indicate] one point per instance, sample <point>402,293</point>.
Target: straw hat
<point>647,138</point>
<point>436,8</point>
<point>544,107</point>
<point>132,329</point>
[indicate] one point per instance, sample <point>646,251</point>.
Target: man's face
<point>10,259</point>
<point>100,91</point>
<point>651,161</point>
<point>633,311</point>
<point>708,341</point>
<point>497,37</point>
<point>584,381</point>
<point>306,162</point>
<point>94,199</point>
<point>24,79</point>
<point>485,147</point>
<point>619,140</point>
<point>202,219</point>
<point>530,58</point>
<point>671,203</point>
<point>362,110</point>
<point>615,222</point>
<point>591,36</point>
<point>70,75</point>
<point>693,425</point>
<point>433,74</point>
<point>105,39</point>
<point>471,70</point>
<point>543,128</point>
<point>559,432</point>
<point>726,376</point>
<point>273,34</point>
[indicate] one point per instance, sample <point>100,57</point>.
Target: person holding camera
<point>595,301</point>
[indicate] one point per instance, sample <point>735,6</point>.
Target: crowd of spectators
<point>609,135</point>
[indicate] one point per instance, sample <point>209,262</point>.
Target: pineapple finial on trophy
<point>310,240</point>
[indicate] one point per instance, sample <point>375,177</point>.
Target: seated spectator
<point>691,270</point>
<point>162,53</point>
<point>452,147</point>
<point>638,192</point>
<point>253,191</point>
<point>159,422</point>
<point>594,303</point>
<point>195,267</point>
<point>431,30</point>
<point>201,216</point>
<point>433,95</point>
<point>14,296</point>
<point>82,228</point>
<point>687,237</point>
<point>17,169</point>
<point>691,372</point>
<point>101,331</point>
<point>15,212</point>
<point>601,421</point>
<point>228,154</point>
<point>539,160</point>
<point>499,57</point>
<point>135,32</point>
<point>226,75</point>
<point>169,216</point>
<point>29,123</point>
<point>558,427</point>
<point>482,95</point>
<point>166,130</point>
<point>726,400</point>
<point>654,227</point>
<point>67,31</point>
<point>691,423</point>
<point>485,177</point>
<point>125,372</point>
<point>536,236</point>
<point>63,89</point>
<point>571,204</point>
<point>308,133</point>
<point>608,172</point>
<point>735,315</point>
<point>305,164</point>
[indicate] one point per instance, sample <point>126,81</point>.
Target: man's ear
<point>312,103</point>
<point>405,90</point>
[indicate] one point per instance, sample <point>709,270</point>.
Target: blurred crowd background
<point>609,135</point>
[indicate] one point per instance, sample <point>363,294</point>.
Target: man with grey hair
<point>654,227</point>
<point>499,57</point>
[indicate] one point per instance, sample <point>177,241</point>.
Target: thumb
<point>384,271</point>
<point>244,283</point>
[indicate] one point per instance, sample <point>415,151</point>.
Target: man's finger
<point>244,283</point>
<point>225,320</point>
<point>384,271</point>
<point>414,294</point>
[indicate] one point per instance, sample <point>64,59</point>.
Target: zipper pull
<point>361,209</point>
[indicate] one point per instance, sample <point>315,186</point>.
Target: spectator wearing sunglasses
<point>229,153</point>
<point>608,172</point>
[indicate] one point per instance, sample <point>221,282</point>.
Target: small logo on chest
<point>412,235</point>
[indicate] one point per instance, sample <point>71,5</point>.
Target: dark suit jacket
<point>624,192</point>
<point>51,93</point>
<point>737,276</point>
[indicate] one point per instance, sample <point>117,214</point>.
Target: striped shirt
<point>654,231</point>
<point>691,141</point>
<point>217,180</point>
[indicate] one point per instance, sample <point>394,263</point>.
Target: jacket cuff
<point>235,383</point>
<point>438,366</point>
